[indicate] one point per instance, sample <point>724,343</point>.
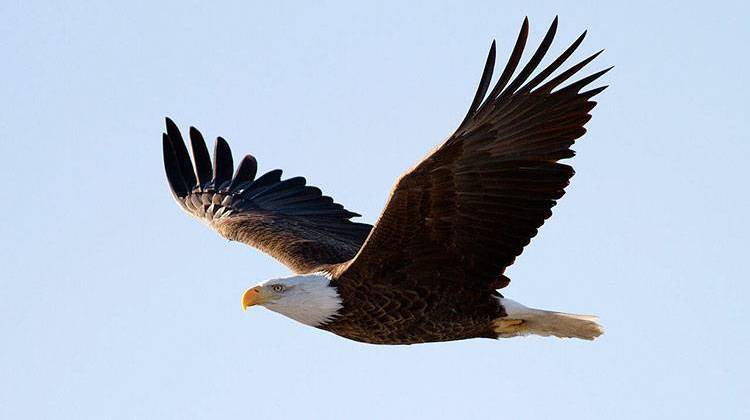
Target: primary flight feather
<point>430,268</point>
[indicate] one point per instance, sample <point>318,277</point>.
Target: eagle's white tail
<point>522,320</point>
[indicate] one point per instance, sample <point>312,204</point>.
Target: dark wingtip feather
<point>525,27</point>
<point>580,84</point>
<point>223,163</point>
<point>539,78</point>
<point>170,123</point>
<point>245,172</point>
<point>172,168</point>
<point>533,62</point>
<point>201,158</point>
<point>172,131</point>
<point>181,153</point>
<point>484,83</point>
<point>552,29</point>
<point>264,181</point>
<point>510,65</point>
<point>562,77</point>
<point>593,92</point>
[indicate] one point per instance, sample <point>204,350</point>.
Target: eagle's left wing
<point>288,220</point>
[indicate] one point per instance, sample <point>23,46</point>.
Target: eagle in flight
<point>431,266</point>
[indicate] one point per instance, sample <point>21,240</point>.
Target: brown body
<point>412,314</point>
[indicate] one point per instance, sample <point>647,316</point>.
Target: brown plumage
<point>287,219</point>
<point>430,267</point>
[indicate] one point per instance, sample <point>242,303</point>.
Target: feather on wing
<point>464,213</point>
<point>291,221</point>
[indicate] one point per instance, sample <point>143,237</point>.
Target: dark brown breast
<point>410,314</point>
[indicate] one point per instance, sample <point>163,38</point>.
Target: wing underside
<point>288,219</point>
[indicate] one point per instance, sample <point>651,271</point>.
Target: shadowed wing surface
<point>464,213</point>
<point>287,219</point>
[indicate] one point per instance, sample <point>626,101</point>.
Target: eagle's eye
<point>277,288</point>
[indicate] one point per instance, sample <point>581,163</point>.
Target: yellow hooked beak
<point>253,296</point>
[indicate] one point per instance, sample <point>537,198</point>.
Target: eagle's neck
<point>311,300</point>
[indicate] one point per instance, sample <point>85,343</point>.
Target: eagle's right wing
<point>288,220</point>
<point>464,213</point>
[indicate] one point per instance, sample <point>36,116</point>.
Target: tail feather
<point>522,320</point>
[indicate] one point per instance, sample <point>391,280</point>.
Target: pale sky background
<point>116,305</point>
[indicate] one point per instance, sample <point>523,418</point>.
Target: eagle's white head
<point>309,299</point>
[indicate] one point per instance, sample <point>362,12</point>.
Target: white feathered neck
<point>308,299</point>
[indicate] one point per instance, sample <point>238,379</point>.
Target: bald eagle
<point>431,266</point>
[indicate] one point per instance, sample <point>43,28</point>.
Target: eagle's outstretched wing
<point>464,213</point>
<point>289,220</point>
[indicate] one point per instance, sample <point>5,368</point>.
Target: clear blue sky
<point>114,304</point>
